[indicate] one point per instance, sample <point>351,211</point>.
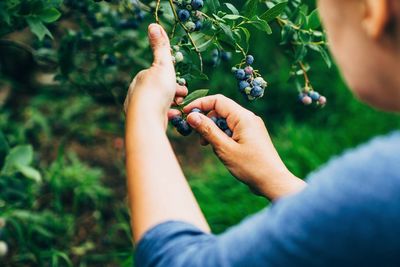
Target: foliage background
<point>64,201</point>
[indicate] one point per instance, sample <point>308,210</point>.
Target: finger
<point>160,45</point>
<point>173,113</point>
<point>179,100</point>
<point>221,104</point>
<point>181,91</point>
<point>203,141</point>
<point>209,130</point>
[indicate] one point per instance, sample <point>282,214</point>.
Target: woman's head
<point>364,37</point>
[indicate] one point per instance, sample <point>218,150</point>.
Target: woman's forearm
<point>158,190</point>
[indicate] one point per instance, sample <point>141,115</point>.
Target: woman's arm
<point>158,191</point>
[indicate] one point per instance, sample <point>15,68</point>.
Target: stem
<point>306,79</point>
<point>174,29</point>
<point>171,3</point>
<point>156,11</point>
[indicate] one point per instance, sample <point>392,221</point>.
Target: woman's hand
<point>249,154</point>
<point>153,90</point>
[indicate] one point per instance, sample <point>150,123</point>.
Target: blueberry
<point>322,100</point>
<point>222,124</point>
<point>140,15</point>
<point>257,91</point>
<point>197,4</point>
<point>240,74</point>
<point>248,70</point>
<point>314,96</point>
<point>226,56</point>
<point>195,110</point>
<point>259,81</point>
<point>214,119</point>
<point>191,26</point>
<point>199,25</point>
<point>228,132</point>
<point>128,24</point>
<point>183,15</point>
<point>176,120</point>
<point>249,59</point>
<point>110,60</point>
<point>184,128</point>
<point>307,100</point>
<point>179,57</point>
<point>243,85</point>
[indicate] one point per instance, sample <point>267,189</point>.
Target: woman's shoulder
<point>377,159</point>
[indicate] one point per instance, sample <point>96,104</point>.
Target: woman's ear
<point>376,17</point>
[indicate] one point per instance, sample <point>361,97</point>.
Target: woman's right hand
<point>249,155</point>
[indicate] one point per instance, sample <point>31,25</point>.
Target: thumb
<point>209,130</point>
<point>159,43</point>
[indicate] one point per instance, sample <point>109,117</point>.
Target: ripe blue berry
<point>196,110</point>
<point>257,91</point>
<point>197,4</point>
<point>184,128</point>
<point>110,60</point>
<point>176,120</point>
<point>214,119</point>
<point>226,56</point>
<point>243,85</point>
<point>183,15</point>
<point>222,124</point>
<point>240,74</point>
<point>249,59</point>
<point>199,25</point>
<point>314,96</point>
<point>228,132</point>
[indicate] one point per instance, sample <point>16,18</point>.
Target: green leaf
<point>49,15</point>
<point>20,155</point>
<point>260,24</point>
<point>250,8</point>
<point>29,172</point>
<point>325,56</point>
<point>227,30</point>
<point>232,17</point>
<point>274,12</point>
<point>203,46</point>
<point>232,8</point>
<point>313,20</point>
<point>213,5</point>
<point>38,28</point>
<point>193,96</point>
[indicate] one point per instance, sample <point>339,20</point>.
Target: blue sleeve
<point>347,216</point>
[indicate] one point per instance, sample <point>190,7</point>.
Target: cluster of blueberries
<point>183,127</point>
<point>307,98</point>
<point>250,83</point>
<point>188,13</point>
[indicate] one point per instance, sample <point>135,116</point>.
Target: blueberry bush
<point>65,66</point>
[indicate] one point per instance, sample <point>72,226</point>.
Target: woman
<point>349,216</point>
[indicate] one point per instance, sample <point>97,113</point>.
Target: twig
<point>306,79</point>
<point>171,3</point>
<point>157,10</point>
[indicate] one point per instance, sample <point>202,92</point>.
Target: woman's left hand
<point>153,91</point>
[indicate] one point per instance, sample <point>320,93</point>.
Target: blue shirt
<point>349,215</point>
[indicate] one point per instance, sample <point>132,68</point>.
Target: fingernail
<point>154,31</point>
<point>194,120</point>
